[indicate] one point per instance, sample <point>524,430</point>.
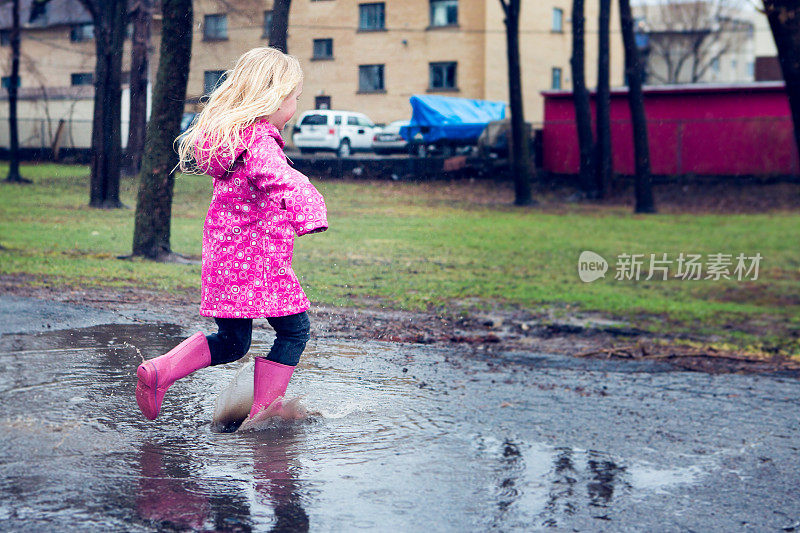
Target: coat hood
<point>220,165</point>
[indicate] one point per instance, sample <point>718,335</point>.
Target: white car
<point>343,132</point>
<point>388,139</point>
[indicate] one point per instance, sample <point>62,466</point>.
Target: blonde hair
<point>256,87</point>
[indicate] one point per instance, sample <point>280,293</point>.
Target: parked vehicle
<point>495,141</point>
<point>388,140</point>
<point>342,132</point>
<point>186,121</point>
<point>447,124</point>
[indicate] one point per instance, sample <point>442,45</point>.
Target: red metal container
<point>717,130</point>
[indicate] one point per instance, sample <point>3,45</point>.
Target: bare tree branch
<point>692,34</point>
<point>504,5</point>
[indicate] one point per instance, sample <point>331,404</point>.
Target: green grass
<point>433,247</point>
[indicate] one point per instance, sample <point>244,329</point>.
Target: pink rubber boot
<point>270,380</point>
<point>156,375</point>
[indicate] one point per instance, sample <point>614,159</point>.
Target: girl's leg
<point>232,341</point>
<point>291,336</point>
<point>272,374</point>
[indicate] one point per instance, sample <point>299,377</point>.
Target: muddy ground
<point>417,437</point>
<point>471,330</point>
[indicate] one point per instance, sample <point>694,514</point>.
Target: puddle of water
<point>391,444</point>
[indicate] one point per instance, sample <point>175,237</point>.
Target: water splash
<point>234,401</point>
<point>232,408</point>
<point>129,345</point>
<point>277,414</point>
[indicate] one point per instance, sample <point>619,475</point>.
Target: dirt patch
<point>479,331</point>
<point>754,294</point>
<point>710,196</point>
<point>688,196</point>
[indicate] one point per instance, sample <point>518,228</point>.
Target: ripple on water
<point>357,411</point>
<point>377,448</point>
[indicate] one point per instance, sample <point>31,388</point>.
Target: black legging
<point>232,341</point>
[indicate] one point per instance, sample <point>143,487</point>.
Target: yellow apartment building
<point>364,56</point>
<point>372,56</point>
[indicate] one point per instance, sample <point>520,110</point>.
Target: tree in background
<point>151,237</point>
<point>580,96</point>
<point>13,88</point>
<point>279,29</point>
<point>520,151</point>
<point>141,12</point>
<point>634,74</point>
<point>109,18</point>
<point>603,101</point>
<point>784,21</point>
<point>686,39</point>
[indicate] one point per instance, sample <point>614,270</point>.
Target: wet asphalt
<point>400,437</point>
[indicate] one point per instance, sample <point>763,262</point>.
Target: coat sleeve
<point>267,169</point>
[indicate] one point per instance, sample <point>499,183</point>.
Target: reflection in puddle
<point>174,493</point>
<point>166,496</point>
<point>390,444</point>
<point>649,478</point>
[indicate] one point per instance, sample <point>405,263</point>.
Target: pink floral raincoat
<point>260,203</point>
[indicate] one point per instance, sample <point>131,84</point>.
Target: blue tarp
<point>446,117</point>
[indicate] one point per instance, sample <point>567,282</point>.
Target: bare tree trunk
<point>109,22</point>
<point>279,30</point>
<point>603,102</point>
<point>13,90</point>
<point>520,149</point>
<point>580,96</point>
<point>634,74</point>
<point>784,20</point>
<point>142,14</point>
<point>151,237</point>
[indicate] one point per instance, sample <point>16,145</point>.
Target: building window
<point>444,13</point>
<point>715,64</point>
<point>372,16</point>
<point>558,19</point>
<point>370,78</point>
<point>212,79</point>
<point>6,83</point>
<point>81,32</point>
<point>323,49</point>
<point>215,27</point>
<point>82,78</point>
<point>555,80</point>
<point>267,25</point>
<point>442,76</point>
